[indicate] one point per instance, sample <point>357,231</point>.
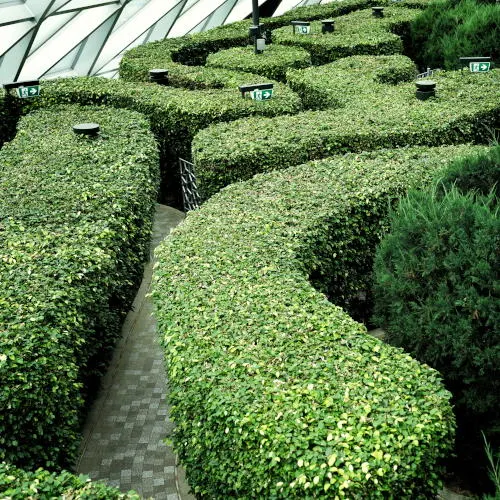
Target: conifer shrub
<point>437,296</point>
<point>448,30</point>
<point>478,173</point>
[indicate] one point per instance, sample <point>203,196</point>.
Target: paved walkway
<point>123,436</point>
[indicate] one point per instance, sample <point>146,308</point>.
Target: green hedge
<point>16,484</point>
<point>465,108</point>
<point>192,50</point>
<point>321,88</point>
<point>273,62</point>
<point>76,218</point>
<point>277,393</point>
<point>355,33</point>
<point>175,114</point>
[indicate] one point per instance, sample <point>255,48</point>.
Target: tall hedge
<point>277,393</point>
<point>179,54</point>
<point>355,33</point>
<point>76,217</point>
<point>465,107</point>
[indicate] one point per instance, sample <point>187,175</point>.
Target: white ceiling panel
<point>49,38</point>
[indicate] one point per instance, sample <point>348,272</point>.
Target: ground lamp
<point>87,129</point>
<point>159,76</point>
<point>377,11</point>
<point>327,26</point>
<point>425,89</point>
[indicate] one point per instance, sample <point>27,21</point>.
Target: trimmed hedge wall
<point>356,33</point>
<point>273,62</point>
<point>192,50</point>
<point>338,84</point>
<point>76,217</point>
<point>465,107</point>
<point>16,484</point>
<point>175,114</point>
<point>277,393</point>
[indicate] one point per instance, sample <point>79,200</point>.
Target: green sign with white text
<point>261,95</point>
<point>303,30</point>
<point>30,91</point>
<point>479,67</point>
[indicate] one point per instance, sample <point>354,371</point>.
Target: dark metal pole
<point>255,12</point>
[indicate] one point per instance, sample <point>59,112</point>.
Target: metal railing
<point>427,74</point>
<point>190,196</point>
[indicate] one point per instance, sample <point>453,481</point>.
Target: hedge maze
<point>276,392</point>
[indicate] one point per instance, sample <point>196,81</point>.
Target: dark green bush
<point>448,30</point>
<point>9,115</point>
<point>389,116</point>
<point>273,62</point>
<point>437,296</point>
<point>320,88</point>
<point>75,222</point>
<point>355,33</point>
<point>16,484</point>
<point>277,393</point>
<point>480,174</point>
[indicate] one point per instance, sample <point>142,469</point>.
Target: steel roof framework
<point>51,38</point>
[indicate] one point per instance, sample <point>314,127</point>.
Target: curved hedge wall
<point>273,62</point>
<point>277,393</point>
<point>178,54</point>
<point>346,81</point>
<point>465,108</point>
<point>76,218</point>
<point>355,33</point>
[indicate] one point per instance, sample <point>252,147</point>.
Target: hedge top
<point>276,393</point>
<point>178,54</point>
<point>355,33</point>
<point>75,218</point>
<point>384,115</point>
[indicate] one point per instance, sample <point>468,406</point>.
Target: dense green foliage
<point>448,30</point>
<point>16,484</point>
<point>75,218</point>
<point>277,393</point>
<point>9,115</point>
<point>480,173</point>
<point>342,83</point>
<point>273,62</point>
<point>178,54</point>
<point>383,116</point>
<point>355,33</point>
<point>436,295</point>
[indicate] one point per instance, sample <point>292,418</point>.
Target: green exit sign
<point>479,67</point>
<point>30,91</point>
<point>261,95</point>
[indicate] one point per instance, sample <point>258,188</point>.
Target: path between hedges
<point>123,436</point>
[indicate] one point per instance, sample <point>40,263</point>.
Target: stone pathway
<point>123,436</point>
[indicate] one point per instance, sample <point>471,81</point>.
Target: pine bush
<point>437,294</point>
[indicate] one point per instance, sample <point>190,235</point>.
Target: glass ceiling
<point>51,38</point>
